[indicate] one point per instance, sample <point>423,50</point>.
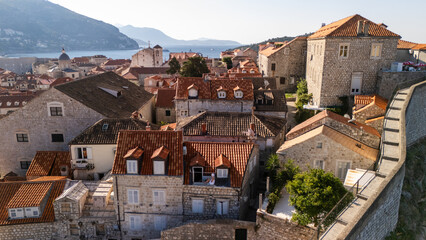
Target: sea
<point>205,51</point>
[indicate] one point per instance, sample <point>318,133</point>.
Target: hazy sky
<point>249,21</point>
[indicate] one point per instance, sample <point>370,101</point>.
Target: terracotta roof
<point>419,47</point>
<point>236,124</point>
<point>29,195</point>
<point>15,101</point>
<point>238,155</point>
<point>272,50</point>
<point>48,178</point>
<point>183,55</point>
<point>150,141</point>
<point>114,62</point>
<point>105,131</point>
<point>246,86</point>
<point>402,44</point>
<point>9,192</point>
<point>364,102</point>
<point>222,160</point>
<point>87,92</point>
<point>347,27</point>
<point>337,137</point>
<point>48,163</point>
<point>61,81</point>
<point>197,160</point>
<point>279,103</point>
<point>184,82</point>
<point>329,114</point>
<point>168,127</point>
<point>134,153</point>
<point>161,152</point>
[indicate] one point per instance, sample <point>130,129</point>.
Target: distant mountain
<point>255,46</point>
<point>41,26</point>
<point>156,36</point>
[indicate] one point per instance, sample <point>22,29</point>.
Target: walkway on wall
<point>390,154</point>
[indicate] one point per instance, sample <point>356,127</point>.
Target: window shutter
<point>89,153</point>
<point>132,222</point>
<point>79,153</point>
<point>135,196</point>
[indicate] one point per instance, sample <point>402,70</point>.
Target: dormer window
<point>132,160</point>
<point>159,158</point>
<point>222,173</point>
<point>16,213</point>
<point>16,103</point>
<point>238,93</point>
<point>259,99</point>
<point>222,165</point>
<point>193,91</point>
<point>9,103</point>
<point>197,165</point>
<point>221,93</point>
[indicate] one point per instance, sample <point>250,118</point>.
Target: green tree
<point>174,66</point>
<point>194,67</point>
<point>303,98</point>
<point>314,193</point>
<point>228,62</point>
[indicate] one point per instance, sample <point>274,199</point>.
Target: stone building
<point>164,106</point>
<point>148,57</point>
<point>344,58</point>
<point>148,182</point>
<point>266,131</point>
<point>57,115</point>
<point>93,151</point>
<point>233,191</point>
<point>370,110</point>
<point>10,104</point>
<point>195,95</point>
<point>285,62</point>
<point>182,56</point>
<point>138,75</point>
<point>271,102</point>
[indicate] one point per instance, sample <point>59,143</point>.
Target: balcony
<point>222,182</point>
<point>82,164</point>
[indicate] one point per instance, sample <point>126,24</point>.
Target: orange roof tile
<point>239,154</point>
<point>419,47</point>
<point>48,163</point>
<point>161,152</point>
<point>347,27</point>
<point>326,113</point>
<point>369,101</point>
<point>337,137</point>
<point>29,195</point>
<point>134,153</point>
<point>149,141</point>
<point>374,119</point>
<point>197,160</point>
<point>402,44</point>
<point>222,160</point>
<point>49,178</point>
<point>165,97</point>
<point>171,126</point>
<point>8,191</point>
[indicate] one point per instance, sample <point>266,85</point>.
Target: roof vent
<point>125,87</point>
<point>116,92</point>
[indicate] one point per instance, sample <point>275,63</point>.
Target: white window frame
<point>159,170</point>
<point>193,173</point>
<point>341,55</point>
<point>338,170</point>
<point>221,94</point>
<point>55,104</point>
<point>353,87</point>
<point>197,205</point>
<point>222,206</point>
<point>192,93</point>
<point>32,212</point>
<point>132,166</point>
<point>89,153</point>
<point>135,222</point>
<point>376,51</point>
<point>160,222</point>
<point>222,173</point>
<point>319,163</point>
<point>159,196</point>
<point>132,196</point>
<point>238,94</point>
<point>19,213</point>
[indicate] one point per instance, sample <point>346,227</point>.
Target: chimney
<point>204,128</point>
<point>148,127</point>
<point>366,26</point>
<point>359,28</point>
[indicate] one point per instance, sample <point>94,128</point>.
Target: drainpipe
<point>118,208</point>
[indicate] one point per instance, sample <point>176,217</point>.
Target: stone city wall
<point>387,81</point>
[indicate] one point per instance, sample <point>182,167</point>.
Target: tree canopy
<point>228,62</point>
<point>303,98</point>
<point>194,67</point>
<point>174,66</point>
<point>314,193</point>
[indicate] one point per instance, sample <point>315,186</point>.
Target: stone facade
<point>164,114</point>
<point>169,212</point>
<point>330,76</point>
<point>33,119</point>
<point>289,61</point>
<point>416,115</point>
<point>191,107</point>
<point>368,113</point>
<point>387,81</point>
<point>148,57</point>
<point>39,231</point>
<point>306,153</point>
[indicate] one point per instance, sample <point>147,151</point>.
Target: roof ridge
<point>269,130</point>
<point>348,19</point>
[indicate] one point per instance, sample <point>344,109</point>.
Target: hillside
<point>41,26</point>
<point>156,36</point>
<point>255,46</point>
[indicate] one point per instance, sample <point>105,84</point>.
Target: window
<point>135,223</point>
<point>132,196</point>
<point>159,167</point>
<point>55,109</point>
<point>319,145</point>
<point>25,164</point>
<point>57,137</point>
<point>16,103</point>
<point>282,80</point>
<point>160,223</point>
<point>184,113</point>
<point>84,153</point>
<point>22,137</point>
<point>31,212</point>
<point>319,164</point>
<point>241,234</point>
<point>221,94</point>
<point>222,207</point>
<point>273,67</point>
<point>197,205</point>
<point>197,174</point>
<point>342,169</point>
<point>159,197</point>
<point>65,207</point>
<point>343,50</point>
<point>168,113</point>
<point>132,166</point>
<point>259,100</point>
<point>222,173</point>
<point>105,127</point>
<point>74,230</point>
<point>376,51</point>
<point>269,142</point>
<point>16,213</point>
<point>192,93</point>
<point>356,83</point>
<point>238,94</point>
<point>291,80</point>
